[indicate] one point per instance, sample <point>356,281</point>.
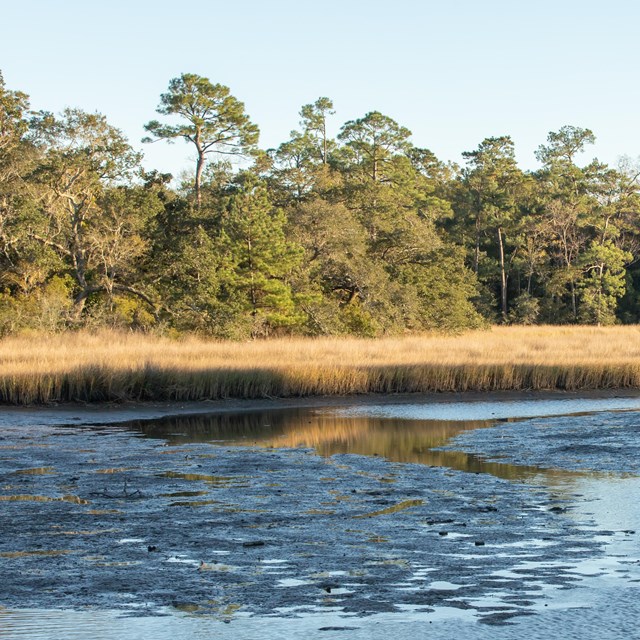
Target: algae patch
<point>32,498</point>
<point>401,506</point>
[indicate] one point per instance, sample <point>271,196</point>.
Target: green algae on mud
<point>35,552</point>
<point>35,471</point>
<point>216,481</point>
<point>405,504</point>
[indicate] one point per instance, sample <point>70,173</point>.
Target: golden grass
<point>123,366</point>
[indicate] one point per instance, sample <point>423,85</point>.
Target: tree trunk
<point>574,303</point>
<point>199,166</point>
<point>199,169</point>
<point>476,255</point>
<point>324,142</point>
<point>503,277</point>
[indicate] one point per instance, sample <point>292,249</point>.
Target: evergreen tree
<point>213,121</point>
<point>259,260</point>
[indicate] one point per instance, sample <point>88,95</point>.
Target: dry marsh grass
<point>109,366</point>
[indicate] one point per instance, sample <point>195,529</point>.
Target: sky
<point>452,72</point>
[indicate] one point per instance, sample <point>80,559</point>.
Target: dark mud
<point>101,517</point>
<point>280,542</point>
<point>602,442</point>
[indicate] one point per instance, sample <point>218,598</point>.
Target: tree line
<point>362,233</point>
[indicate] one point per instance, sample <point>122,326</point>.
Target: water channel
<point>496,519</point>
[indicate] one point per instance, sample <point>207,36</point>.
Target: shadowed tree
<point>211,119</point>
<point>85,214</point>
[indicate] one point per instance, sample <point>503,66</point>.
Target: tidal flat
<point>337,520</point>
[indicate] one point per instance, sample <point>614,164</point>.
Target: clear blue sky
<point>453,72</point>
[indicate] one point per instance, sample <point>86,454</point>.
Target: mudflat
<point>96,515</point>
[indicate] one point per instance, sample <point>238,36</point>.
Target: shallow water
<point>493,410</point>
<point>603,507</point>
<point>330,434</point>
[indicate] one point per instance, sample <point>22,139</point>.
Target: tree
<point>292,176</point>
<point>16,157</point>
<point>85,213</point>
<point>300,165</point>
<point>604,283</point>
<point>215,121</point>
<point>493,183</point>
<point>564,145</point>
<point>337,264</point>
<point>568,207</point>
<point>14,106</point>
<point>374,140</point>
<point>258,259</point>
<point>314,124</point>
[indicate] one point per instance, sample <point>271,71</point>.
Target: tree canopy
<point>347,229</point>
<point>210,118</point>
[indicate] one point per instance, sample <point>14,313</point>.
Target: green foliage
<point>364,234</point>
<point>314,124</point>
<point>444,288</point>
<point>493,187</point>
<point>45,308</point>
<point>525,310</point>
<point>14,107</point>
<point>130,313</point>
<point>259,259</point>
<point>603,283</point>
<point>358,321</point>
<point>211,119</point>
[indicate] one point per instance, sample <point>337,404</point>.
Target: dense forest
<point>363,234</point>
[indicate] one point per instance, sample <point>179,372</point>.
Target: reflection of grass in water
<point>401,506</point>
<point>113,470</point>
<point>31,498</point>
<point>117,366</point>
<point>410,441</point>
